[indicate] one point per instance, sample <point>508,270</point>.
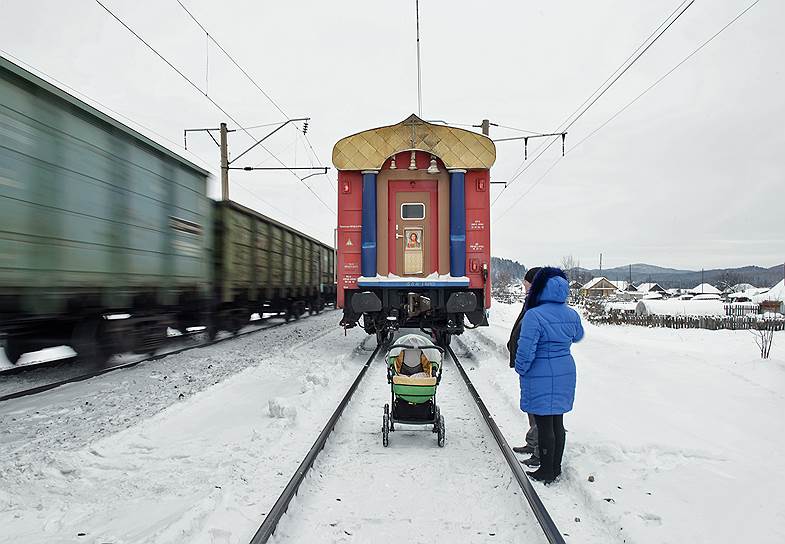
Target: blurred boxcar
<point>107,238</point>
<point>264,266</point>
<point>96,222</point>
<point>413,228</point>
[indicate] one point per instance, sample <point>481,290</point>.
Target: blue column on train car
<point>368,257</point>
<point>457,223</point>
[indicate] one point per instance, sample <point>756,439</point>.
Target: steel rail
<point>83,377</point>
<point>275,514</point>
<point>540,512</point>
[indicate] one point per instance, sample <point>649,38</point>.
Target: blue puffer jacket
<point>543,359</point>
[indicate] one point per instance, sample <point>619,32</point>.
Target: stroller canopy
<point>420,345</point>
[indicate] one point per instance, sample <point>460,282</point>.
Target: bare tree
<point>570,264</point>
<point>764,337</point>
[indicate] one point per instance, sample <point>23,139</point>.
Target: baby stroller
<point>414,370</point>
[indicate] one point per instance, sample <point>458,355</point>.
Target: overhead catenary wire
<point>626,106</point>
<point>650,40</point>
<point>212,101</point>
<point>253,82</point>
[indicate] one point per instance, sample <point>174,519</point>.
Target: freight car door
<point>412,229</point>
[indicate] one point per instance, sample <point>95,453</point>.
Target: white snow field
<point>682,431</point>
<point>124,458</point>
<point>411,491</point>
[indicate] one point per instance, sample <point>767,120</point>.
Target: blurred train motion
<point>413,237</point>
<point>107,238</point>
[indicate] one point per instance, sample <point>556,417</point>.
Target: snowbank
<point>680,307</point>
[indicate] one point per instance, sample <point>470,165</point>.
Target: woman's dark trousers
<point>550,437</point>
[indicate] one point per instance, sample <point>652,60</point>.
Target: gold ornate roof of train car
<point>456,147</point>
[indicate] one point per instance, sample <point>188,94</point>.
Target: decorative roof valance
<point>456,147</point>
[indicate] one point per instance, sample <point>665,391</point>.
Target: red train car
<point>413,235</point>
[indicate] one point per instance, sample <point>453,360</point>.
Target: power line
<point>251,79</point>
<point>605,85</point>
<point>520,129</point>
<point>619,112</point>
<point>195,86</point>
<point>669,72</point>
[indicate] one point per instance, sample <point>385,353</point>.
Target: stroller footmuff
<point>414,370</point>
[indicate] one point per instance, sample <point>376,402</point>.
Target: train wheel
<point>88,342</point>
<point>381,337</point>
<point>443,339</point>
<point>212,329</point>
<point>13,350</point>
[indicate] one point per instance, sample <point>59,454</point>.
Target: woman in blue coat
<point>546,367</point>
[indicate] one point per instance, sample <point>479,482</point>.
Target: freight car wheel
<point>13,350</point>
<point>88,342</point>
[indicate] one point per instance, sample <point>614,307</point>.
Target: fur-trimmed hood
<point>549,285</point>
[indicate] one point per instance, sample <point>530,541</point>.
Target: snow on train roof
<point>432,280</point>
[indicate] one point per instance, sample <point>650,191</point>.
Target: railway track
<point>98,372</point>
<point>363,446</point>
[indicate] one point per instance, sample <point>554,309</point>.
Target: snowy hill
<point>671,277</point>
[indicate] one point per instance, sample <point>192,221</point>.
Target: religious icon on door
<point>413,253</point>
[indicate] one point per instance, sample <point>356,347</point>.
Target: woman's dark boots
<point>558,453</point>
<point>545,472</point>
<point>551,446</point>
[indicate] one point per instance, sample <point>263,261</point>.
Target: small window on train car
<point>413,211</point>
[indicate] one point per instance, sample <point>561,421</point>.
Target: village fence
<point>714,323</point>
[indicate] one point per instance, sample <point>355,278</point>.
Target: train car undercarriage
<point>441,312</point>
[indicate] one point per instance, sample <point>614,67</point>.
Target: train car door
<point>413,237</point>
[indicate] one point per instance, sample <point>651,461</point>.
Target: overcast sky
<point>691,176</point>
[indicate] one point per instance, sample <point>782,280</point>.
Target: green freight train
<point>107,238</point>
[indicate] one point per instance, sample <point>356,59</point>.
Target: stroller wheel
<point>440,432</point>
<point>436,416</point>
<point>386,426</point>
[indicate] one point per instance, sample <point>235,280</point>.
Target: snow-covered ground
<point>681,430</point>
<point>411,491</point>
<point>193,448</point>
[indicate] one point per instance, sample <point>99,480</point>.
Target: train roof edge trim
<point>245,209</point>
<point>456,147</point>
<point>71,99</point>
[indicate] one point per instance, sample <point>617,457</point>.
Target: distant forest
<point>506,270</point>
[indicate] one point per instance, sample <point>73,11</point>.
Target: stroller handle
<point>410,346</point>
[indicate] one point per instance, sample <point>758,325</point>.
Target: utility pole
<point>224,163</point>
<point>600,263</point>
<point>486,127</point>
